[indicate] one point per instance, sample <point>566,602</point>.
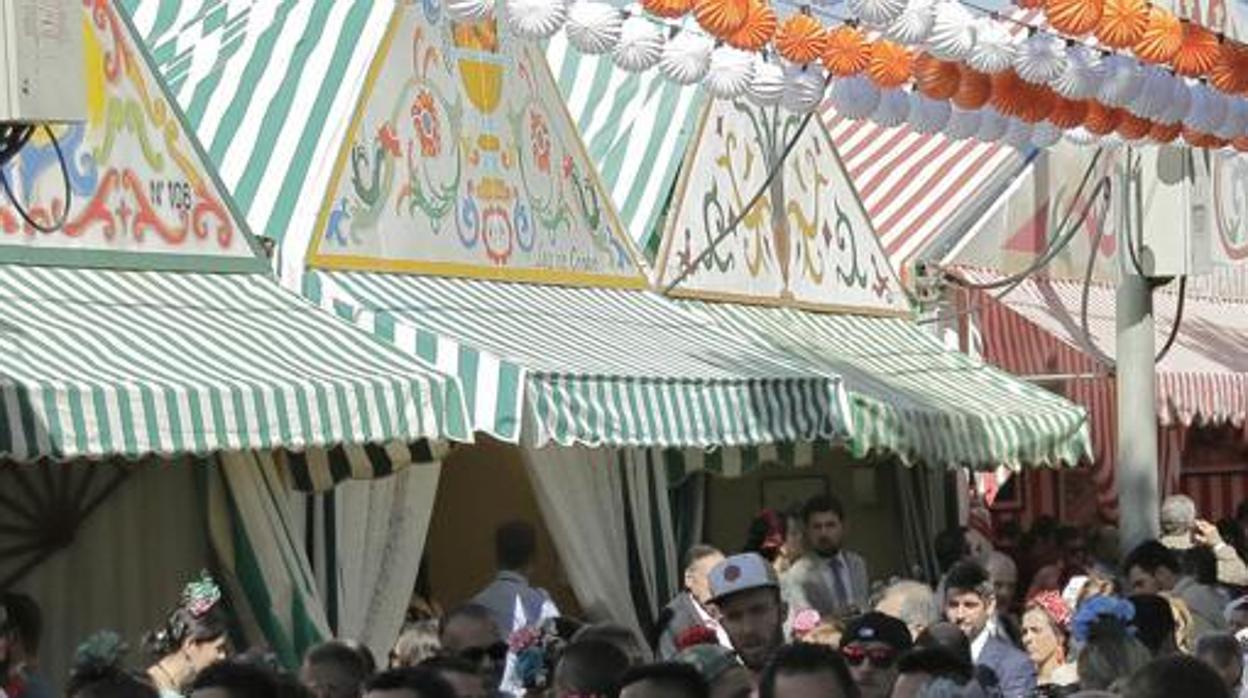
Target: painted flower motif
<point>425,119</point>
<point>524,638</point>
<point>540,134</point>
<point>568,166</point>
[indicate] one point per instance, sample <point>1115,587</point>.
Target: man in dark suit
<point>689,608</point>
<point>829,579</point>
<point>969,602</point>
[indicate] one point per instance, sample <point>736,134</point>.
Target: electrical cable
<point>69,192</point>
<point>1085,335</point>
<point>1178,322</point>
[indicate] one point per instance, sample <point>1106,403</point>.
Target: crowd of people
<point>1046,612</point>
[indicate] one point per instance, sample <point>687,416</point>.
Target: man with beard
<point>970,600</point>
<point>746,597</point>
<point>870,646</point>
<point>829,579</point>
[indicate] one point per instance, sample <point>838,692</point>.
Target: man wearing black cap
<point>870,646</point>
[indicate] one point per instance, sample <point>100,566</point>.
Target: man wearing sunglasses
<point>469,632</point>
<point>746,596</point>
<point>870,646</point>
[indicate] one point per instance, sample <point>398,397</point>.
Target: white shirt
<point>978,644</point>
<point>706,619</point>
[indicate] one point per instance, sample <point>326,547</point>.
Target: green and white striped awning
<point>912,397</point>
<point>591,366</point>
<point>99,363</point>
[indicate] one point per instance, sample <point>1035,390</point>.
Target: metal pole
<point>1136,469</point>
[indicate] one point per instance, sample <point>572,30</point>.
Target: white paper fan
<point>893,110</point>
<point>914,25</point>
<point>953,32</point>
<point>593,27</point>
<point>963,123</point>
<point>1180,104</point>
<point>686,57</point>
<point>992,126</point>
<point>1236,122</point>
<point>730,72</point>
<point>766,87</point>
<point>536,19</point>
<point>877,13</point>
<point>469,10</point>
<point>1084,73</point>
<point>640,46</point>
<point>855,97</point>
<point>1153,98</point>
<point>1080,136</point>
<point>1045,135</point>
<point>928,115</point>
<point>803,88</point>
<point>995,46</point>
<point>1209,109</point>
<point>1040,59</point>
<point>1124,78</point>
<point>1018,134</point>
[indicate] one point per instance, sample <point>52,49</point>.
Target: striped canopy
<point>100,363</point>
<point>591,366</point>
<point>912,397</point>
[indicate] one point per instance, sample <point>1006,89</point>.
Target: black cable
<point>69,192</point>
<point>1133,225</point>
<point>1178,321</point>
<point>1085,336</point>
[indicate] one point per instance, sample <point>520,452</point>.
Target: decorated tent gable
<point>806,242</point>
<point>462,160</point>
<point>141,195</point>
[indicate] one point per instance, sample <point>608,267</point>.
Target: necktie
<point>838,582</point>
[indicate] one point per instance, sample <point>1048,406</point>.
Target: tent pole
<point>1136,469</point>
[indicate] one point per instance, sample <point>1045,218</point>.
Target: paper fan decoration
<point>1018,134</point>
<point>928,115</point>
<point>855,97</point>
<point>1110,141</point>
<point>536,19</point>
<point>1230,72</point>
<point>1197,139</point>
<point>1198,53</point>
<point>1236,123</point>
<point>758,29</point>
<point>593,27</point>
<point>936,78</point>
<point>1084,74</point>
<point>1154,95</point>
<point>891,64</point>
<point>1208,110</point>
<point>1122,22</point>
<point>667,8</point>
<point>1080,136</point>
<point>766,84</point>
<point>1165,133</point>
<point>1180,103</point>
<point>1073,17</point>
<point>846,51</point>
<point>1123,81</point>
<point>1101,119</point>
<point>974,89</point>
<point>963,123</point>
<point>1041,58</point>
<point>1045,135</point>
<point>1241,144</point>
<point>686,58</point>
<point>1068,113</point>
<point>1029,4</point>
<point>469,10</point>
<point>994,48</point>
<point>1162,37</point>
<point>913,25</point>
<point>730,72</point>
<point>877,13</point>
<point>721,17</point>
<point>640,46</point>
<point>1132,127</point>
<point>893,110</point>
<point>953,32</point>
<point>1039,104</point>
<point>801,39</point>
<point>803,88</point>
<point>992,126</point>
<point>1010,93</point>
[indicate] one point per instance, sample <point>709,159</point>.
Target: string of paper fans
<point>930,64</point>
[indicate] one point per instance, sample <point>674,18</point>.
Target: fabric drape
<point>652,524</point>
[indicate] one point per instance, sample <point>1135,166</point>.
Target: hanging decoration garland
<point>801,39</point>
<point>891,64</point>
<point>974,89</point>
<point>846,51</point>
<point>758,29</point>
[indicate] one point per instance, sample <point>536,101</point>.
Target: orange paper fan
<point>1009,93</point>
<point>891,64</point>
<point>1133,127</point>
<point>974,89</point>
<point>667,8</point>
<point>1241,144</point>
<point>758,29</point>
<point>1199,53</point>
<point>1101,119</point>
<point>1162,38</point>
<point>1068,113</point>
<point>1198,139</point>
<point>1165,133</point>
<point>935,78</point>
<point>1075,17</point>
<point>801,39</point>
<point>1029,4</point>
<point>1230,72</point>
<point>845,51</point>
<point>1122,22</point>
<point>1038,103</point>
<point>721,17</point>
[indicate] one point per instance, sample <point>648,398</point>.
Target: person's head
<point>193,635</point>
<point>409,682</point>
<point>766,535</point>
<point>624,639</point>
<point>794,535</point>
<point>1151,568</point>
<point>911,602</point>
<point>698,564</point>
<point>664,680</point>
<point>1155,623</point>
<point>969,600</point>
<point>719,667</point>
<point>1046,619</point>
<point>590,667</point>
<point>919,668</point>
<point>469,632</point>
<point>1223,654</point>
<point>951,547</point>
<point>746,597</point>
<point>461,674</point>
<point>417,642</point>
<point>1201,564</point>
<point>1004,575</point>
<point>334,670</point>
<point>1109,654</point>
<point>234,679</point>
<point>98,671</point>
<point>823,520</point>
<point>870,646</point>
<point>1168,677</point>
<point>807,671</point>
<point>1072,542</point>
<point>515,545</point>
<point>1178,515</point>
<point>947,637</point>
<point>26,623</point>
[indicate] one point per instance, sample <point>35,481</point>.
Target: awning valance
<point>100,363</point>
<point>912,397</point>
<point>591,366</point>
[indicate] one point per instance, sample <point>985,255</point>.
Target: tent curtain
<point>921,494</point>
<point>687,502</point>
<point>653,530</point>
<point>580,492</point>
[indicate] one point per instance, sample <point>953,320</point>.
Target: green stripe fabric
<point>913,398</point>
<point>636,128</point>
<point>103,363</point>
<point>598,367</point>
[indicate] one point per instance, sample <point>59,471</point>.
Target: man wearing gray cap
<point>746,595</point>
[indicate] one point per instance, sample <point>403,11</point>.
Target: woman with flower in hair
<point>1104,629</point>
<point>98,671</point>
<point>1045,630</point>
<point>192,638</point>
